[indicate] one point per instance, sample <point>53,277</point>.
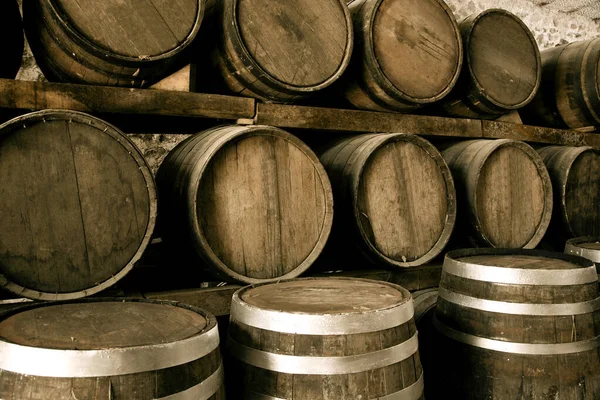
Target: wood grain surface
<point>78,203</point>
<point>134,28</point>
<point>395,198</point>
<point>502,67</point>
<point>505,190</point>
<point>106,325</point>
<point>407,53</point>
<point>260,203</point>
<point>574,172</point>
<point>280,51</point>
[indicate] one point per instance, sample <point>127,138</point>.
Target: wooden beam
<point>527,133</point>
<point>112,100</point>
<point>330,119</point>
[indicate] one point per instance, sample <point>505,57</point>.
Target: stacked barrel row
<point>386,55</point>
<point>254,203</point>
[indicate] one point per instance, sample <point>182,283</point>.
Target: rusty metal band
<point>202,391</point>
<point>412,392</point>
<point>308,365</point>
<point>107,362</point>
<point>517,348</point>
<point>519,276</point>
<point>520,308</point>
<point>320,324</point>
<point>576,250</point>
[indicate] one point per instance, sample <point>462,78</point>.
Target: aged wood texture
<point>586,247</point>
<point>575,175</point>
<point>118,43</point>
<point>255,202</point>
<point>281,51</point>
<point>329,299</point>
<point>78,204</point>
<point>407,53</point>
<point>505,192</point>
<point>394,196</point>
<point>183,80</point>
<point>40,95</point>
<point>11,30</point>
<point>569,95</point>
<point>530,331</point>
<point>101,329</point>
<point>502,67</point>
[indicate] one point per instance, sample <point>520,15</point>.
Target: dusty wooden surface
<point>394,197</point>
<point>401,59</point>
<point>263,206</point>
<point>505,192</point>
<point>78,203</point>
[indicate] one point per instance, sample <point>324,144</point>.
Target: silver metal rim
<point>574,249</point>
<point>412,392</point>
<point>517,348</point>
<point>111,362</point>
<point>519,308</point>
<point>320,324</point>
<point>302,365</point>
<point>519,276</point>
<point>202,391</point>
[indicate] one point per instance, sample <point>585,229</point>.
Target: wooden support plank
<point>215,300</point>
<point>505,130</point>
<point>330,119</point>
<point>112,100</point>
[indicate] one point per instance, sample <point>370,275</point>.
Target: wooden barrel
<point>253,202</point>
<point>501,70</point>
<point>11,32</point>
<point>408,53</point>
<point>575,175</point>
<point>77,205</point>
<point>505,192</point>
<point>282,52</point>
<point>111,42</point>
<point>586,247</point>
<point>330,338</point>
<point>395,198</point>
<point>517,324</point>
<point>424,301</point>
<point>569,95</point>
<point>110,349</point>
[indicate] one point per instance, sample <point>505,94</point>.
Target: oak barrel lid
<point>582,193</point>
<point>420,51</point>
<point>586,247</point>
<point>520,266</point>
<point>78,205</point>
<point>264,205</point>
<point>323,306</point>
<point>513,196</point>
<point>103,337</point>
<point>406,201</point>
<point>101,325</point>
<point>503,58</point>
<point>135,30</point>
<point>304,43</point>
